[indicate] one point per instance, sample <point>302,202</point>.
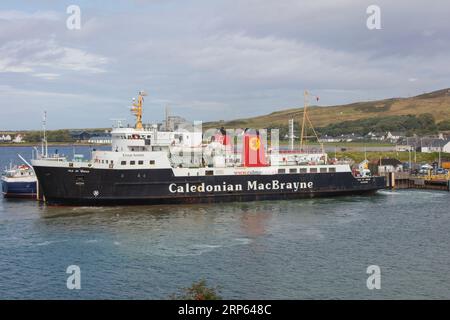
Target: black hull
<point>100,187</point>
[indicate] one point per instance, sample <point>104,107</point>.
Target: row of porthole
<point>139,175</point>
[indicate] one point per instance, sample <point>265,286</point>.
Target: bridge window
<point>293,170</point>
<point>209,172</point>
<point>132,163</point>
<point>124,163</point>
<point>152,161</point>
<point>140,162</point>
<point>281,171</point>
<point>323,170</point>
<point>303,170</point>
<point>313,170</point>
<point>332,169</point>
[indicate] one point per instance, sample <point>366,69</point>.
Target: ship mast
<point>44,139</point>
<point>306,119</point>
<point>305,98</point>
<point>137,109</point>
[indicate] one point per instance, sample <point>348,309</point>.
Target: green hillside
<point>395,110</point>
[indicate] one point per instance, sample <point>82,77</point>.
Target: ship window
<point>294,170</point>
<point>332,169</point>
<point>112,161</point>
<point>303,170</point>
<point>209,173</point>
<point>132,163</point>
<point>281,170</point>
<point>70,164</point>
<point>140,162</point>
<point>123,163</point>
<point>313,170</point>
<point>152,161</point>
<point>323,170</point>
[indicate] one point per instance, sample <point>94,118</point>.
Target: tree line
<point>409,124</point>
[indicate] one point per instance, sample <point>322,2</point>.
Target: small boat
<point>19,182</point>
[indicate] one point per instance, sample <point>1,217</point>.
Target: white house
<point>18,139</point>
<point>389,165</point>
<point>375,136</point>
<point>434,145</point>
<point>394,136</point>
<point>5,138</point>
<point>100,140</point>
<point>446,147</point>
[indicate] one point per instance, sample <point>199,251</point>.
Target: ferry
<point>146,165</point>
<point>19,182</point>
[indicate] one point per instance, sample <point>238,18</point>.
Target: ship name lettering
<point>277,185</point>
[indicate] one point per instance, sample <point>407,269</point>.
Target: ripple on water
<point>283,249</point>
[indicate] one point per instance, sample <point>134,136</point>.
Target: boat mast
<point>306,118</point>
<point>291,134</point>
<point>305,95</point>
<point>137,109</point>
<point>44,139</point>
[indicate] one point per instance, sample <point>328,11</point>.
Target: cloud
<point>27,56</point>
<point>222,59</point>
<point>47,76</point>
<point>12,15</point>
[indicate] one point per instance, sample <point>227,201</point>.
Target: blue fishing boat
<point>19,182</point>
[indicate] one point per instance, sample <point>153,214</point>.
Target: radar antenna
<point>137,109</point>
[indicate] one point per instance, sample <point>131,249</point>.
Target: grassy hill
<point>436,103</point>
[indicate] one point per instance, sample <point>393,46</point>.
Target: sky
<point>211,59</point>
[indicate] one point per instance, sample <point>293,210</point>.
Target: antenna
<point>167,117</point>
<point>118,122</point>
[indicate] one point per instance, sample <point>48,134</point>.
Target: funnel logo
<point>254,143</point>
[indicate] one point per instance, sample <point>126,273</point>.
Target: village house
<point>429,145</point>
<point>104,139</point>
<point>5,138</point>
<point>394,136</point>
<point>375,136</point>
<point>78,135</point>
<point>18,139</point>
<point>389,165</point>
